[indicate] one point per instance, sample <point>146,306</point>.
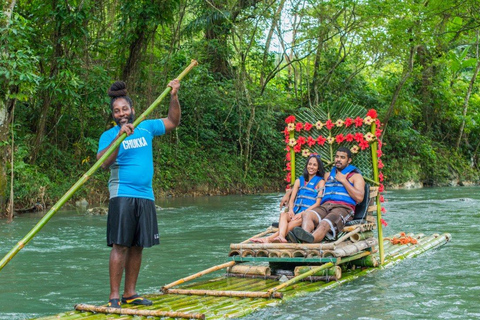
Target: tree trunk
<point>7,9</point>
<point>467,98</point>
<point>266,52</point>
<point>406,74</point>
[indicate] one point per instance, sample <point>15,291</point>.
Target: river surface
<point>67,262</point>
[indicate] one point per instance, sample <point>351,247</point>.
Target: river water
<point>67,262</point>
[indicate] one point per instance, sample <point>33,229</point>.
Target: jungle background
<point>415,62</point>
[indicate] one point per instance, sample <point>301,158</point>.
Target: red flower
<point>381,188</point>
<point>311,141</point>
<point>379,153</point>
<point>349,137</point>
<point>378,133</point>
<point>321,140</point>
<point>339,138</point>
<point>382,199</point>
<point>297,148</point>
<point>380,164</point>
<point>377,122</point>
<point>301,141</point>
<point>288,178</point>
<point>380,143</point>
<point>384,210</point>
<point>287,139</point>
<point>308,126</point>
<point>288,186</point>
<point>290,119</point>
<point>288,157</point>
<point>288,166</point>
<point>358,137</point>
<point>358,122</point>
<point>329,124</point>
<point>298,126</point>
<point>363,144</point>
<point>372,113</point>
<point>380,176</point>
<point>383,222</point>
<point>348,122</point>
<point>286,132</point>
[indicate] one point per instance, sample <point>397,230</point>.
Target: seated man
<point>344,188</point>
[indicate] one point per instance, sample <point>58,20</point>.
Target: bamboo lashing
<point>22,243</point>
<point>165,288</point>
<point>139,312</point>
<point>299,277</point>
<point>220,293</point>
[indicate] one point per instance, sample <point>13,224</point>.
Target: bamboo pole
<point>139,312</point>
<point>248,269</point>
<point>273,290</point>
<point>22,243</point>
<point>292,160</point>
<point>361,236</point>
<point>379,207</point>
<point>334,271</point>
<point>165,288</point>
<point>348,235</point>
<point>355,247</point>
<point>220,293</point>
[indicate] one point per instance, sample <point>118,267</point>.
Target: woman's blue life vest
<point>307,194</point>
<point>335,191</point>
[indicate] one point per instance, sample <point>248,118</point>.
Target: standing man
<point>344,188</point>
<point>132,220</point>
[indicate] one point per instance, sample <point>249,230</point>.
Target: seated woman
<point>306,194</point>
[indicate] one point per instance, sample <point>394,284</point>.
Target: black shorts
<point>132,222</point>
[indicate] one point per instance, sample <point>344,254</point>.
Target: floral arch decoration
<point>321,132</point>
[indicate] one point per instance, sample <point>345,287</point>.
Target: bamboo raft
<point>259,275</point>
<point>235,296</point>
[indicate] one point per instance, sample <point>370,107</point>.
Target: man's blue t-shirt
<point>132,173</point>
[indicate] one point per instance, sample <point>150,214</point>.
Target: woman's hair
<point>119,90</point>
<point>321,169</point>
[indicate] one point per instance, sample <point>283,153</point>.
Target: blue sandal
<point>136,299</point>
<point>114,303</point>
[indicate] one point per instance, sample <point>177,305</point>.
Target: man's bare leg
<point>321,231</point>
<point>116,267</point>
<point>132,268</point>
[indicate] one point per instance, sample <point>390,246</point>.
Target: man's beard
<point>131,118</point>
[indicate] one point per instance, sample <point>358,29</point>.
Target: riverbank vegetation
<point>416,63</point>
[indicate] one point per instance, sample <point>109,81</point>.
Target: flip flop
<point>114,303</point>
<point>136,299</point>
<point>303,235</point>
<point>291,237</point>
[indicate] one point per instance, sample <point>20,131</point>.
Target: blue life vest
<point>335,191</point>
<point>307,194</point>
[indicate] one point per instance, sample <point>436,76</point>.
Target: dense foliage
<point>415,62</point>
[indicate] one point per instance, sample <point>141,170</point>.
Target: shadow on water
<point>67,262</point>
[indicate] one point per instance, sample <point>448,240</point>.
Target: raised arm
<point>174,112</point>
